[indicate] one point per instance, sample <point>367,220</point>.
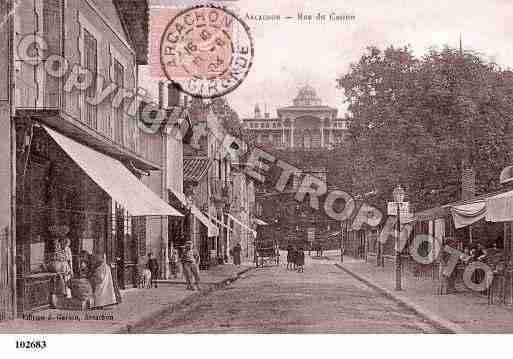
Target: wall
<point>37,90</point>
<point>174,163</point>
<point>7,178</point>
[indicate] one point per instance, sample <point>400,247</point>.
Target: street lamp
<point>398,195</point>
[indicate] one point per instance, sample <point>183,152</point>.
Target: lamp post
<point>398,195</point>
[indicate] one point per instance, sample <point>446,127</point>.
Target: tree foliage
<point>418,121</point>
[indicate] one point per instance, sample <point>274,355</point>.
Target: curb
<point>441,323</point>
<point>127,328</point>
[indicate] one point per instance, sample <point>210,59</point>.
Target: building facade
<point>243,215</point>
<point>82,169</point>
<point>306,124</point>
<point>302,135</point>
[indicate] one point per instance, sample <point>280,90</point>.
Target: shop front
<point>193,226</point>
<point>72,196</point>
<point>480,229</point>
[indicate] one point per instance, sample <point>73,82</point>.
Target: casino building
<point>302,134</point>
<point>306,124</point>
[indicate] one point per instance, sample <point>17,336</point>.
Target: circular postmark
<point>207,51</point>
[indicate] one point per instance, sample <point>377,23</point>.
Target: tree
<point>417,122</point>
<point>230,119</point>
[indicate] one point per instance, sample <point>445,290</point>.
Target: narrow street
<point>323,299</point>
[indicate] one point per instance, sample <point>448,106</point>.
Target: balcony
<point>44,96</point>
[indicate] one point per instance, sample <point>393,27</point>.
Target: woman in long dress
<point>104,292</point>
<point>236,254</point>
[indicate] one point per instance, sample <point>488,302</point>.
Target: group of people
<point>95,270</point>
<point>148,271</point>
<point>478,253</point>
<point>295,258</point>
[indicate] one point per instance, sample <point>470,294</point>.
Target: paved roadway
<point>323,299</point>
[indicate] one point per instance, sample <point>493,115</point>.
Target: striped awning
<point>195,168</point>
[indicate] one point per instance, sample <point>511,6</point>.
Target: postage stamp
<point>206,50</point>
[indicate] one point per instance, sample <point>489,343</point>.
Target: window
<point>117,78</point>
<point>306,140</point>
<point>91,64</point>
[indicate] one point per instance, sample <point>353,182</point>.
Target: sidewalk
<point>137,306</point>
<point>462,312</point>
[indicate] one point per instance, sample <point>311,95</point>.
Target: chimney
<point>468,183</point>
<point>173,95</point>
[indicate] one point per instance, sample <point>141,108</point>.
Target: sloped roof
<point>194,168</point>
<point>135,18</point>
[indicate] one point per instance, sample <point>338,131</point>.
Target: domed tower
<point>307,97</point>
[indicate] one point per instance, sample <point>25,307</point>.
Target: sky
<point>290,53</point>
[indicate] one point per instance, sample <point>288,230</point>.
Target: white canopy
<point>243,225</point>
<point>499,208</point>
<point>466,214</point>
<point>213,231</point>
<point>221,224</point>
<point>260,222</point>
<point>115,179</point>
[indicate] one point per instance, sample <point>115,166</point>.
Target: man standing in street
<point>190,260</point>
<point>153,266</point>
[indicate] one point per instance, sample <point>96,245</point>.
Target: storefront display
<point>63,216</point>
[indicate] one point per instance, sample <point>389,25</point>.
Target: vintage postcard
<point>255,167</point>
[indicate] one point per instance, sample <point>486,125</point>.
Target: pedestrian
<point>294,258</point>
<point>237,249</point>
<point>173,262</point>
<point>290,256</point>
<point>190,260</point>
<point>300,260</point>
<point>153,266</point>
